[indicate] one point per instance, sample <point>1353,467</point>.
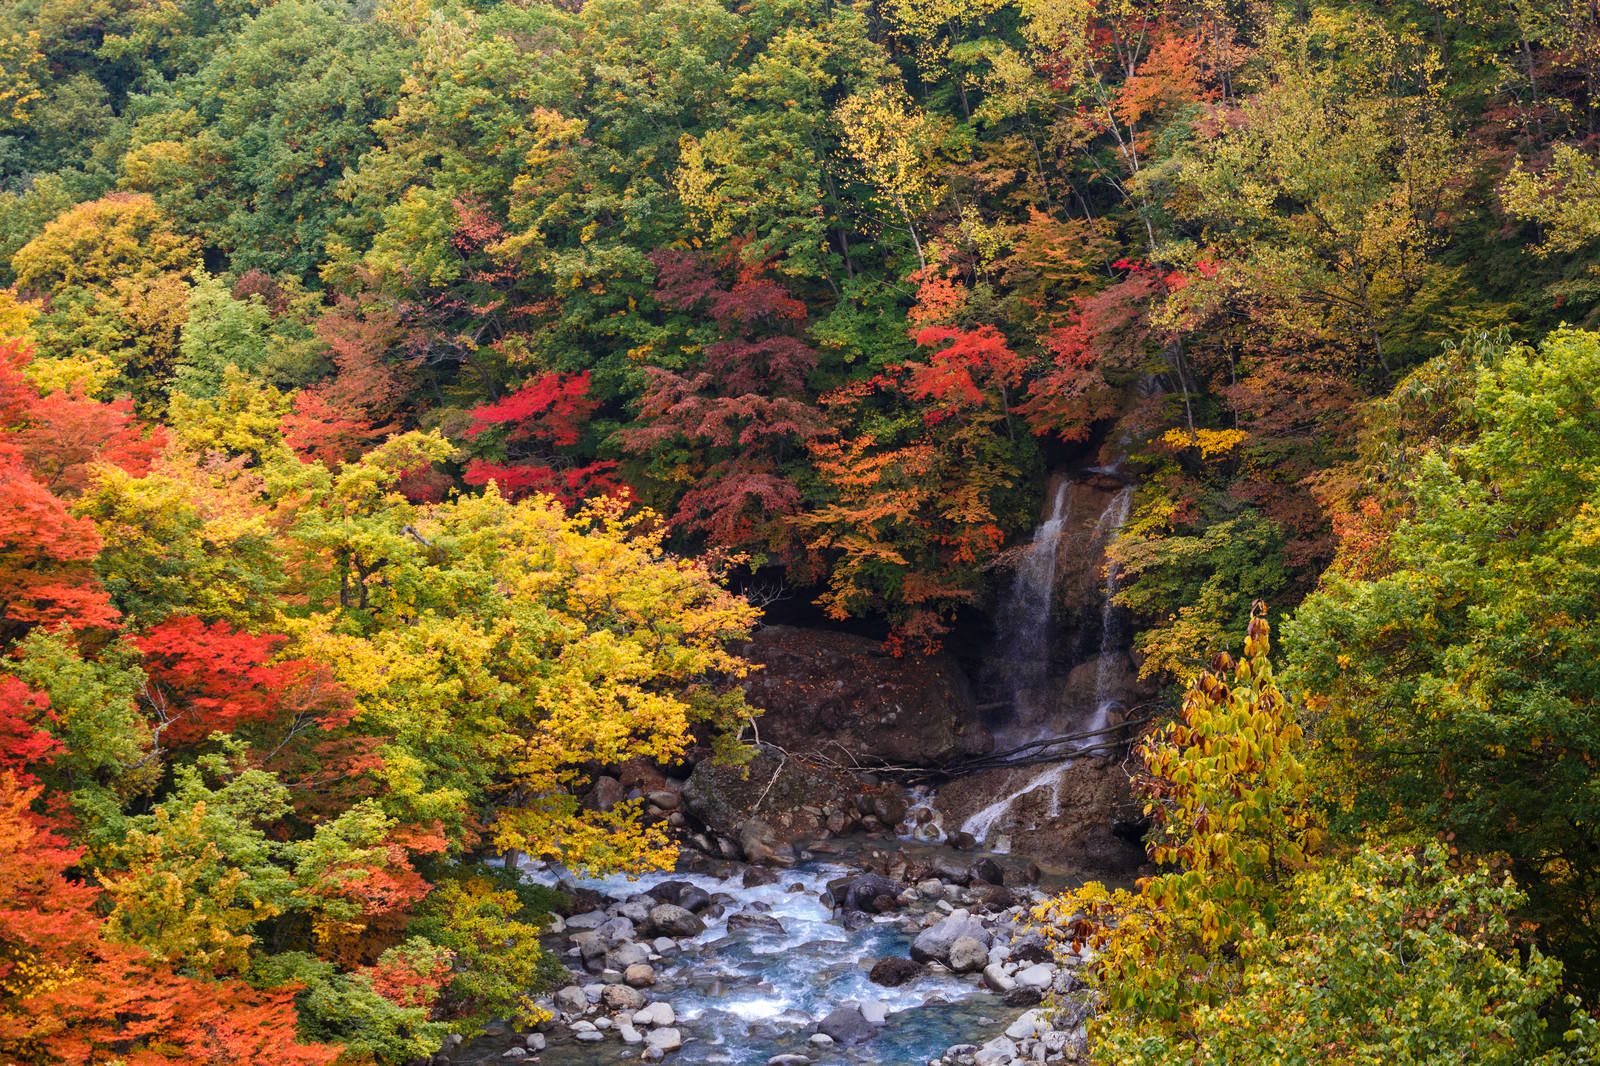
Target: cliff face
<point>842,698</point>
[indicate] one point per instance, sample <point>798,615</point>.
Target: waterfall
<point>1106,532</point>
<point>1023,636</point>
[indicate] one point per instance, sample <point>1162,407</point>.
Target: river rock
<point>892,972</point>
<point>571,1000</point>
<point>629,1034</point>
<point>996,1052</point>
<point>667,801</point>
<point>587,920</point>
<point>996,979</point>
<point>756,876</point>
<point>967,955</point>
<point>1023,996</point>
<point>988,870</point>
<point>669,919</point>
<point>847,1026</point>
<point>606,794</point>
<point>872,893</point>
<point>664,1039</point>
<point>515,1053</point>
<point>933,943</point>
<point>1029,1026</point>
<point>622,997</point>
<point>626,955</point>
<point>875,1011</point>
<point>1039,976</point>
<point>659,1015</point>
<point>639,975</point>
<point>789,1060</point>
<point>763,923</point>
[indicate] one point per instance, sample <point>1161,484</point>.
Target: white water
<point>743,995</point>
<point>1023,632</point>
<point>1106,532</point>
<point>983,822</point>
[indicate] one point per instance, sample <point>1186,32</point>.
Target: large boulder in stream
<point>847,1025</point>
<point>933,944</point>
<point>843,697</point>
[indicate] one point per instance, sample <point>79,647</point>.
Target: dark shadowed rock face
<point>825,691</point>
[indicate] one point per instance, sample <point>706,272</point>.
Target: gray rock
<point>967,955</point>
<point>933,943</point>
<point>587,920</point>
<point>847,1026</point>
<point>996,979</point>
<point>571,1000</point>
<point>872,893</point>
<point>535,1041</point>
<point>660,1014</point>
<point>821,1039</point>
<point>1030,1025</point>
<point>652,1054</point>
<point>667,801</point>
<point>625,955</point>
<point>592,1036</point>
<point>667,919</point>
<point>1037,976</point>
<point>996,1052</point>
<point>515,1053</point>
<point>788,1060</point>
<point>629,1034</point>
<point>664,1040</point>
<point>875,1011</point>
<point>583,1025</point>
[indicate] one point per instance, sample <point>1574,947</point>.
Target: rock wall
<point>841,697</point>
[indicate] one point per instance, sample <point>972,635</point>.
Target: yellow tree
<point>891,144</point>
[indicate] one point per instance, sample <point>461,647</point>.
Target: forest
<point>408,406</point>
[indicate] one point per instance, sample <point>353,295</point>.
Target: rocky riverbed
<point>825,962</point>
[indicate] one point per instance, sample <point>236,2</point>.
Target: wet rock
<point>668,891</point>
<point>588,920</point>
<point>993,897</point>
<point>988,870</point>
<point>761,923</point>
<point>892,972</point>
<point>756,876</point>
<point>933,943</point>
<point>845,1025</point>
<point>639,975</point>
<point>967,955</point>
<point>949,871</point>
<point>961,840</point>
<point>821,1040</point>
<point>789,1060</point>
<point>629,1034</point>
<point>669,919</point>
<point>626,955</point>
<point>1029,1026</point>
<point>571,1000</point>
<point>854,921</point>
<point>872,893</point>
<point>889,806</point>
<point>515,1053</point>
<point>876,1012</point>
<point>694,899</point>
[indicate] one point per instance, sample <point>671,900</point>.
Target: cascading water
<point>1024,650</point>
<point>1107,530</point>
<point>1023,637</point>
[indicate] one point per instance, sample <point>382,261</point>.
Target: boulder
<point>756,876</point>
<point>933,943</point>
<point>876,1012</point>
<point>744,921</point>
<point>996,1052</point>
<point>845,1025</point>
<point>639,975</point>
<point>1039,976</point>
<point>622,997</point>
<point>571,1000</point>
<point>892,972</point>
<point>669,919</point>
<point>824,688</point>
<point>988,870</point>
<point>995,978</point>
<point>872,893</point>
<point>664,1040</point>
<point>606,794</point>
<point>967,955</point>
